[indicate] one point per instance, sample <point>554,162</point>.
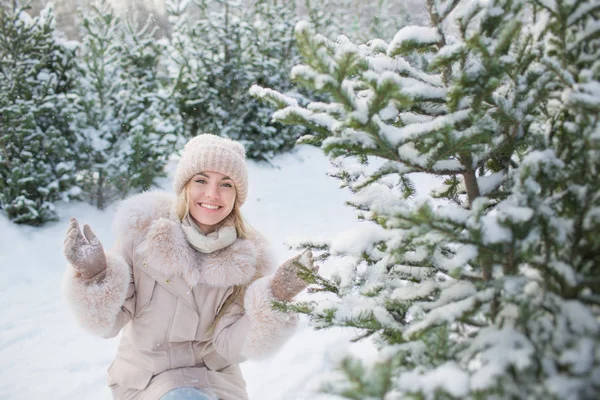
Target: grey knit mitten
<point>84,251</point>
<point>286,283</point>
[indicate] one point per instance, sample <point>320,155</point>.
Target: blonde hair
<point>183,207</point>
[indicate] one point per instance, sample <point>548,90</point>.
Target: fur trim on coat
<point>149,221</point>
<point>97,304</point>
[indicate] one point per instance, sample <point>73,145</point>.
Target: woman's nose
<point>212,191</point>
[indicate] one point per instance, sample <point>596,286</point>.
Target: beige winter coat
<point>163,295</point>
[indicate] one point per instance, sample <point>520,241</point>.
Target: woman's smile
<point>211,207</point>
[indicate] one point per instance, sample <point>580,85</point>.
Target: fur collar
<point>150,222</point>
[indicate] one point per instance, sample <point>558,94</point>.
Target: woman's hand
<point>286,283</point>
<point>84,251</point>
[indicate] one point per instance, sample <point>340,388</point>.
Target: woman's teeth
<point>210,207</point>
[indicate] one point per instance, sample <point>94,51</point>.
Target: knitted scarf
<point>217,240</point>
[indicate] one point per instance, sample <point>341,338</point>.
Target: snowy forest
<point>96,116</point>
<point>486,287</point>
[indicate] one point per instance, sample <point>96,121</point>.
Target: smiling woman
<point>189,280</point>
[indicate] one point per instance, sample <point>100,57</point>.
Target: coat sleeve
<point>253,329</point>
<point>103,307</point>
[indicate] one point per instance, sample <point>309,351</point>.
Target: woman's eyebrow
<point>206,176</point>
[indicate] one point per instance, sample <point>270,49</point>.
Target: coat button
<point>145,263</point>
<point>167,281</point>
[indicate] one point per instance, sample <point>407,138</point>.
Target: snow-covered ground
<point>45,355</point>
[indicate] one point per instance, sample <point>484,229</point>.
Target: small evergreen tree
<point>98,89</point>
<point>493,292</point>
<point>125,119</point>
<point>149,113</point>
<point>37,70</point>
<point>215,60</point>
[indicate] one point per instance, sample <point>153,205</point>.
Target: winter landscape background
<point>463,136</point>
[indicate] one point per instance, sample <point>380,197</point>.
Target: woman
<point>187,282</point>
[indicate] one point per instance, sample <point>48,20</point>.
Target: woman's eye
<point>227,185</point>
<point>200,180</point>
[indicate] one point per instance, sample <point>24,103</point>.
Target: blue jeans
<point>187,393</point>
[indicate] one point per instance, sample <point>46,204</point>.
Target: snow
<point>450,50</point>
<point>581,319</point>
<point>448,376</point>
<point>321,119</point>
<point>462,256</point>
<point>293,202</point>
<point>591,28</point>
<point>417,34</point>
<point>493,231</point>
<point>390,112</point>
<point>379,63</point>
<point>413,291</point>
<point>588,93</point>
<point>487,184</point>
<point>357,306</point>
<point>302,27</point>
<point>444,7</point>
<point>581,357</point>
<point>454,291</point>
<point>258,91</point>
<point>447,312</point>
<point>418,90</point>
<point>415,130</point>
<point>501,348</point>
<point>355,242</point>
<point>40,338</point>
<point>564,270</point>
<point>583,10</point>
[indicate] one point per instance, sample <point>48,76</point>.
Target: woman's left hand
<point>286,283</point>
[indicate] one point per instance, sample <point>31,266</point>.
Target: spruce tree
<point>218,56</point>
<point>126,122</point>
<point>489,287</point>
<point>37,161</point>
<point>149,113</point>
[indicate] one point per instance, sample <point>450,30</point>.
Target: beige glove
<point>286,283</point>
<point>84,251</point>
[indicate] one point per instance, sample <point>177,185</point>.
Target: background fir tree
<point>97,104</point>
<point>125,119</point>
<point>149,113</point>
<point>37,162</point>
<point>491,289</point>
<point>218,56</point>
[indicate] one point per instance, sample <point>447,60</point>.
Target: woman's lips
<point>210,207</point>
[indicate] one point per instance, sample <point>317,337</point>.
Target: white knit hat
<point>213,153</point>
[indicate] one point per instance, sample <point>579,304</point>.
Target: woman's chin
<point>209,222</point>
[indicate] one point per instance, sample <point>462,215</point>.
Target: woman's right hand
<point>84,251</point>
<point>286,283</point>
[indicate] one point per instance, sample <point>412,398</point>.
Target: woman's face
<point>211,197</point>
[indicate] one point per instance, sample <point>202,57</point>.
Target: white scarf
<point>217,240</point>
